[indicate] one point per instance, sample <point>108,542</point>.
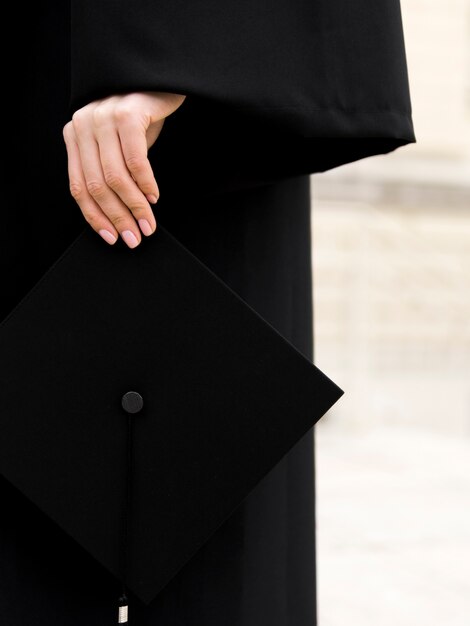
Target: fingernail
<point>130,239</point>
<point>145,227</point>
<point>107,236</point>
<point>151,198</point>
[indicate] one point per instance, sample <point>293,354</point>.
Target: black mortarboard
<point>142,400</point>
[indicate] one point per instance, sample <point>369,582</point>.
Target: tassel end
<point>123,615</point>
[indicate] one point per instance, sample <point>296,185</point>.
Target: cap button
<point>132,402</point>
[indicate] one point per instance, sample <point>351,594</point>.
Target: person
<point>136,89</point>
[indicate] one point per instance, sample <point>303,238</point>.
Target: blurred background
<point>391,265</point>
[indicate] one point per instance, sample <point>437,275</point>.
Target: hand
<point>110,175</point>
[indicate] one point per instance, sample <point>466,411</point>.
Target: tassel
<point>132,402</point>
<point>123,615</point>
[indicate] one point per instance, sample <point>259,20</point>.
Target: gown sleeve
<point>274,88</point>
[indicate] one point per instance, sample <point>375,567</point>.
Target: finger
<point>132,136</point>
<point>118,178</point>
<point>111,205</point>
<point>90,210</point>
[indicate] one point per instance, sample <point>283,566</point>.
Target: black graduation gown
<point>300,87</point>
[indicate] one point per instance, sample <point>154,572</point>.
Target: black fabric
<point>294,87</point>
<point>260,563</point>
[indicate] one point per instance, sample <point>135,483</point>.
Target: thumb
<point>153,131</point>
<point>162,105</point>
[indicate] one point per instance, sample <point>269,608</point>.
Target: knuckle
<point>135,163</point>
<point>96,188</point>
<point>136,207</point>
<point>154,192</point>
<point>123,113</point>
<point>151,191</point>
<point>93,219</point>
<point>78,119</point>
<point>120,221</point>
<point>76,190</point>
<point>148,186</point>
<point>67,131</point>
<point>100,116</point>
<point>113,180</point>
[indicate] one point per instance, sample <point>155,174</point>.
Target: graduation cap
<point>142,400</point>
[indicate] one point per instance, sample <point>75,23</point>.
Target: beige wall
<point>391,255</point>
<point>392,314</point>
<point>391,263</point>
<point>437,36</point>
